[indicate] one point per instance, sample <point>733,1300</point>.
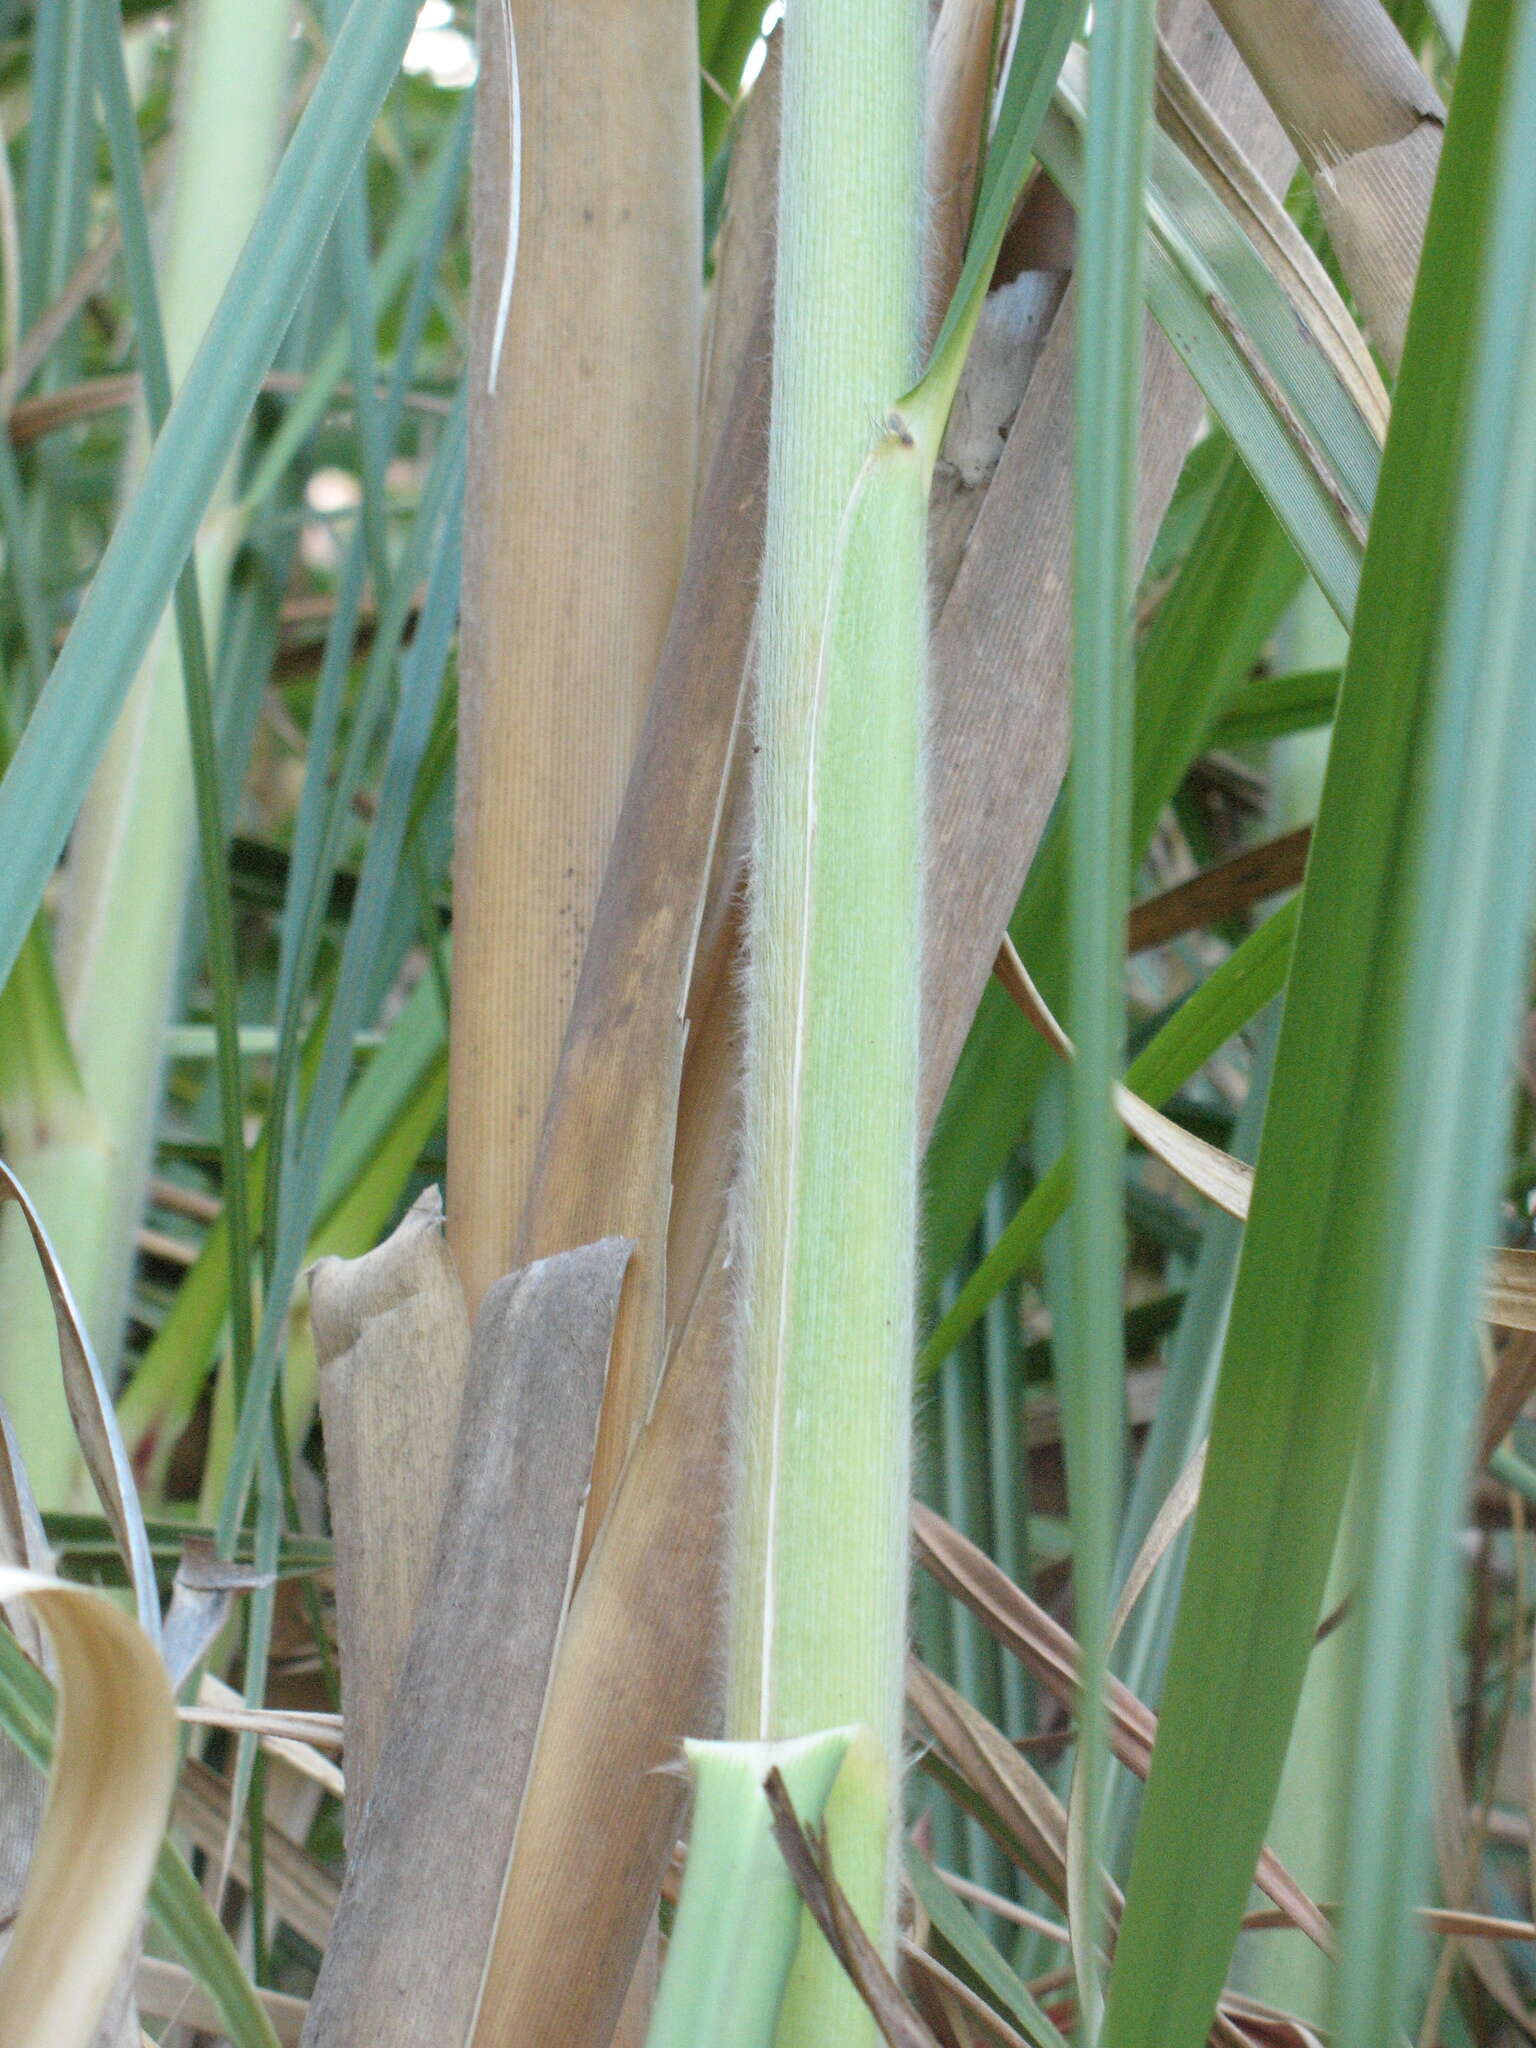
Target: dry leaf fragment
<point>1510,1297</point>
<point>392,1341</point>
<point>1225,889</point>
<point>166,1991</point>
<point>202,1597</point>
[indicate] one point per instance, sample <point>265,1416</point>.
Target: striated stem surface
<point>828,1207</point>
<point>581,477</point>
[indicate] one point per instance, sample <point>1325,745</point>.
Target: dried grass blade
<point>23,1540</point>
<point>1225,890</point>
<point>300,1891</point>
<point>944,1911</point>
<point>579,491</point>
<point>1000,668</point>
<point>632,1678</point>
<point>1182,1499</point>
<point>960,55</point>
<point>605,1162</point>
<point>1456,1831</point>
<point>1226,1181</point>
<point>1050,1653</point>
<point>1007,1785</point>
<point>303,1763</point>
<point>743,258</point>
<point>624,1151</point>
<point>1509,1300</point>
<point>993,2022</point>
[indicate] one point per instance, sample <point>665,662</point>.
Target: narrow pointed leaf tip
<point>93,1415</point>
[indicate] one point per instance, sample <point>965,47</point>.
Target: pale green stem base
<point>738,1920</point>
<point>820,2004</point>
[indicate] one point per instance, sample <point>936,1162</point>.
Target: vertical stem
<point>819,1599</point>
<point>580,483</point>
<point>1108,402</point>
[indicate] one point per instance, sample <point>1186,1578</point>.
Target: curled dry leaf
<point>110,1788</point>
